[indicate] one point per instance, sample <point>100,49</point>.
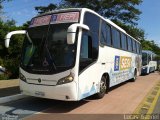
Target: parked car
<point>2,70</point>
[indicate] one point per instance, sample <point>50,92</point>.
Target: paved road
<point>9,87</point>
<point>25,107</point>
<point>122,99</point>
<point>9,91</point>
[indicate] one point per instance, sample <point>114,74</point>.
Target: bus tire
<point>103,88</point>
<point>135,76</point>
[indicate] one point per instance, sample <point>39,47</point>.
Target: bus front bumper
<point>66,92</point>
<point>144,70</point>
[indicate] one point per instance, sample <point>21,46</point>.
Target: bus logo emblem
<point>116,63</point>
<point>39,80</point>
<point>45,63</point>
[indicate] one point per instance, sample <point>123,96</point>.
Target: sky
<point>23,10</point>
<point>150,19</point>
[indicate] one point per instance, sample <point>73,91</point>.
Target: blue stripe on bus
<point>91,92</point>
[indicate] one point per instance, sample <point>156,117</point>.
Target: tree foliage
<point>150,45</point>
<point>10,57</point>
<point>42,9</point>
<point>132,30</point>
<point>121,10</point>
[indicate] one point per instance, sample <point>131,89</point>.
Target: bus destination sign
<point>55,19</point>
<point>65,17</point>
<point>39,21</point>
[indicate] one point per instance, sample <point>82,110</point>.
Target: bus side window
<point>149,57</point>
<point>124,41</point>
<point>134,45</point>
<point>137,44</point>
<point>105,34</point>
<point>129,44</point>
<point>89,50</point>
<point>154,57</point>
<point>95,46</point>
<point>140,51</point>
<point>86,47</point>
<point>116,38</point>
<point>108,33</point>
<point>92,21</point>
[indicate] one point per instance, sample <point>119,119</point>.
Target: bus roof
<point>113,24</point>
<point>61,10</point>
<point>148,51</point>
<point>91,11</point>
<point>110,22</point>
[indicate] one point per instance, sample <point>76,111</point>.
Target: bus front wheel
<point>103,88</point>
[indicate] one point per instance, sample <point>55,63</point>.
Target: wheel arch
<point>106,75</point>
<point>135,70</point>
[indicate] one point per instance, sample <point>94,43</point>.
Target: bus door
<point>88,67</point>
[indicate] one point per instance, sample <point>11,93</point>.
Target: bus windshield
<point>144,59</point>
<point>48,51</point>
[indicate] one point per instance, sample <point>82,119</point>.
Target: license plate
<point>38,93</point>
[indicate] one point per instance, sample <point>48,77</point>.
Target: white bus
<point>149,64</point>
<point>71,54</point>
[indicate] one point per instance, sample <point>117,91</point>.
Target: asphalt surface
<point>26,106</point>
<point>9,91</point>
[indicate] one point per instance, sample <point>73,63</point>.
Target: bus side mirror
<point>71,32</point>
<point>9,35</point>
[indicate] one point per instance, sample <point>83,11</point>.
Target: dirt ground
<point>9,83</point>
<point>9,87</point>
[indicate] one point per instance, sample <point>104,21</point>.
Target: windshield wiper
<point>29,39</point>
<point>53,63</point>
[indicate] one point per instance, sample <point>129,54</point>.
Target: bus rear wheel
<point>135,76</point>
<point>103,88</point>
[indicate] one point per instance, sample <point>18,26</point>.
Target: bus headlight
<point>22,77</point>
<point>64,80</point>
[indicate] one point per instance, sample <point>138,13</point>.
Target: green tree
<point>25,25</point>
<point>132,30</point>
<point>150,45</point>
<point>121,10</point>
<point>9,58</point>
<point>42,9</point>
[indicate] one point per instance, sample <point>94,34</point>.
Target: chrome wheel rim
<point>103,86</point>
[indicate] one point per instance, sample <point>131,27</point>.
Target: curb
<point>147,105</point>
<point>12,98</point>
